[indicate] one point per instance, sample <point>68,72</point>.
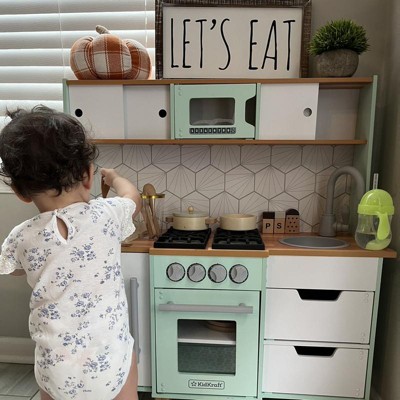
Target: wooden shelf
<point>325,83</point>
<point>240,142</point>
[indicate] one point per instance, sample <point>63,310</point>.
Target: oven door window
<point>207,346</point>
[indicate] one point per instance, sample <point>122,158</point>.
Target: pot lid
<point>190,214</point>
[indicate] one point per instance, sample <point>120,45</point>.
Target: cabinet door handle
<point>315,351</point>
<point>240,309</point>
<point>321,295</point>
<point>135,316</point>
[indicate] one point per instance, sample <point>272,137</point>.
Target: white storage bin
<point>338,273</point>
<point>147,111</point>
<point>288,111</point>
<point>288,369</point>
<point>99,108</point>
<point>318,315</point>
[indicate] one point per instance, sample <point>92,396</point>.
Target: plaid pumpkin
<point>109,57</point>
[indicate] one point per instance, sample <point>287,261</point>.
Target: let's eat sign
<point>232,42</point>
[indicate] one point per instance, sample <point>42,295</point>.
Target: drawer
<point>99,109</point>
<point>314,370</point>
<point>288,111</point>
<point>318,315</point>
<point>337,273</point>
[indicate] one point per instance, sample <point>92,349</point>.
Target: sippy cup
<point>374,217</point>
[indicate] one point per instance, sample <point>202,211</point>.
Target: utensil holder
<point>152,215</point>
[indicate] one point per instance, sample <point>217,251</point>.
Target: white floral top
<point>79,311</point>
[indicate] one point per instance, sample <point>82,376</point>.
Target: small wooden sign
<point>232,39</point>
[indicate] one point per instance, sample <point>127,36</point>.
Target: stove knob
<point>238,273</point>
<point>196,272</point>
<point>175,272</point>
<point>217,273</point>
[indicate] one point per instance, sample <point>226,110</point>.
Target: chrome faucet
<point>327,223</point>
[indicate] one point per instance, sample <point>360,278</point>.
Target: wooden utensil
<point>149,190</point>
<point>104,188</point>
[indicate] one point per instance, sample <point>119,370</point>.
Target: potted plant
<point>337,46</point>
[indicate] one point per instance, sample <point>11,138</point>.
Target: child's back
<point>70,253</point>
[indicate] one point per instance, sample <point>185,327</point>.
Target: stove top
<point>179,239</point>
<point>238,240</point>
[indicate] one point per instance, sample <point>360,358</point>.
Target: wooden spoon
<point>149,190</point>
<point>104,188</point>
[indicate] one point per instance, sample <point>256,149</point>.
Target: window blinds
<point>36,37</point>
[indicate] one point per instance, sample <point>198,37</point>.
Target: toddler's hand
<point>108,175</point>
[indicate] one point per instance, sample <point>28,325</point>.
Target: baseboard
<point>374,395</point>
<point>17,350</point>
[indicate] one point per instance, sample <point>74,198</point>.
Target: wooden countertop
<point>272,247</point>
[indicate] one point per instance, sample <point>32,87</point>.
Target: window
<point>36,37</point>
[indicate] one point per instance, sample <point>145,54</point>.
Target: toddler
<point>70,253</point>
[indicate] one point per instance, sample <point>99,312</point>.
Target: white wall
<point>14,291</point>
<point>387,353</point>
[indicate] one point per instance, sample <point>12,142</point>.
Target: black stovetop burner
<point>178,239</point>
<point>238,240</point>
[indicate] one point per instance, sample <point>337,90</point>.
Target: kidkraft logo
<point>194,383</point>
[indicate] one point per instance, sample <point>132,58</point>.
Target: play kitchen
<point>206,309</point>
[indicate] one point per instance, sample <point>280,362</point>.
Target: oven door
<point>207,342</point>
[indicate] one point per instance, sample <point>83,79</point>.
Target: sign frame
<point>305,6</point>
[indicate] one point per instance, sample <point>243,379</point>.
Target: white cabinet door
<point>147,112</point>
<point>99,108</point>
<point>136,272</point>
<point>288,111</point>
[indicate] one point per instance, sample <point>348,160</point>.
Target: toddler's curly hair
<point>44,149</point>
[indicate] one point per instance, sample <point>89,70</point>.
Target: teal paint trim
<point>172,109</point>
<point>373,331</point>
<point>66,105</point>
<point>258,110</point>
<point>262,328</point>
<point>365,130</point>
<point>153,334</point>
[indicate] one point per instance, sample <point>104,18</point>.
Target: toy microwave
<point>215,111</point>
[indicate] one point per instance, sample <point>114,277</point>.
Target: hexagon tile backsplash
<point>235,179</point>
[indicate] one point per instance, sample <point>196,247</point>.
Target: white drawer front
<point>288,111</point>
<point>305,315</point>
<point>341,374</point>
<point>100,109</point>
<point>341,273</point>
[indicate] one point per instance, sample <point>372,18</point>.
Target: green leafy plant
<point>339,34</point>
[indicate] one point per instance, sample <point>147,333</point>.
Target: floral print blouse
<point>78,307</point>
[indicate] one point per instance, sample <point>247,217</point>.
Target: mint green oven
<point>214,111</point>
<point>207,342</point>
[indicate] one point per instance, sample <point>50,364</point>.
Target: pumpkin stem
<point>101,29</point>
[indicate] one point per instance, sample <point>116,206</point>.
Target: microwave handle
<point>240,309</point>
<point>135,316</point>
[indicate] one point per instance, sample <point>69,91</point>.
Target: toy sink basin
<point>314,242</point>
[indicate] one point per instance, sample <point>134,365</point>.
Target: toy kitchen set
<point>232,313</point>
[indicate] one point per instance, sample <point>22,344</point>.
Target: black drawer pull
<point>315,351</point>
<point>315,294</point>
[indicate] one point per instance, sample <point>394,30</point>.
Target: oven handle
<point>240,309</point>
